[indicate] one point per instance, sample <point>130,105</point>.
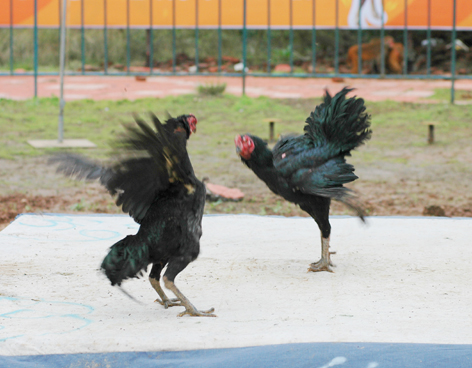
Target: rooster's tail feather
<point>126,259</point>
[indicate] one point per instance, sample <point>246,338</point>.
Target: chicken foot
<point>189,307</point>
<point>325,262</point>
<point>165,301</point>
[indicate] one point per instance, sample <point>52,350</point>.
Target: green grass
<point>395,125</point>
<point>444,94</point>
<point>211,89</point>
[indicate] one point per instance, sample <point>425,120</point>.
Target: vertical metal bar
<point>428,37</point>
<point>359,42</point>
<point>82,35</point>
<point>127,38</point>
<point>336,41</point>
<point>196,35</point>
<point>453,53</point>
<point>35,47</point>
<point>62,59</point>
<point>105,38</point>
<point>11,37</point>
<point>59,18</point>
<point>219,37</point>
<point>291,35</point>
<point>313,38</point>
<point>244,47</point>
<point>173,37</point>
<point>151,39</point>
<point>382,42</point>
<point>269,40</point>
<point>405,40</point>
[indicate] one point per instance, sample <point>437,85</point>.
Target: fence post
<point>244,47</point>
<point>453,52</point>
<point>196,36</point>
<point>382,43</point>
<point>269,40</point>
<point>128,56</point>
<point>35,46</point>
<point>313,38</point>
<point>173,37</point>
<point>405,40</point>
<point>336,41</point>
<point>291,35</point>
<point>428,37</point>
<point>359,41</point>
<point>11,37</point>
<point>105,37</point>
<point>219,36</point>
<point>151,39</point>
<point>82,36</point>
<point>62,59</point>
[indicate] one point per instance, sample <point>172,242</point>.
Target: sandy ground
<point>396,280</point>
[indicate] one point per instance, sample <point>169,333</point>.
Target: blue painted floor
<point>310,355</point>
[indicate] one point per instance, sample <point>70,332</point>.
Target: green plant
<point>211,89</point>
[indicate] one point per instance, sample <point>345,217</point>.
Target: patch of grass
<point>444,94</point>
<point>210,89</point>
<point>395,126</point>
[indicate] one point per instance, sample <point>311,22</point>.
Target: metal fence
<point>244,52</point>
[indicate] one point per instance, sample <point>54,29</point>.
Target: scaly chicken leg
<point>325,262</point>
<point>165,301</point>
<point>189,307</point>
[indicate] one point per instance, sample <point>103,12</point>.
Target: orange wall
<point>231,13</point>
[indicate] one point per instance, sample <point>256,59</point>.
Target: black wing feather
<point>152,161</point>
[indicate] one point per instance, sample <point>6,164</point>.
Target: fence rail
<point>270,10</point>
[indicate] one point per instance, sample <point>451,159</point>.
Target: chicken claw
<point>168,302</point>
<point>196,313</point>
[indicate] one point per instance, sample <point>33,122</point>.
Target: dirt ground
<point>30,185</point>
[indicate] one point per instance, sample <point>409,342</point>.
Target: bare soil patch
<point>30,185</point>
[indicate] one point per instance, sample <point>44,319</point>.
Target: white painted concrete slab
<point>397,280</point>
<point>66,143</point>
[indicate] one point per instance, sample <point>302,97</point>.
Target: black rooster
<point>154,183</point>
<point>310,169</point>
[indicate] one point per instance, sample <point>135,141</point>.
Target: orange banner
<point>301,14</point>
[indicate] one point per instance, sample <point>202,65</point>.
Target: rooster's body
<point>310,169</point>
<point>154,183</point>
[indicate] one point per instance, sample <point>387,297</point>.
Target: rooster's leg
<point>175,266</point>
<point>189,307</point>
<point>154,280</point>
<point>325,262</point>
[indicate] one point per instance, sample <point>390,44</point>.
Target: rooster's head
<point>244,146</point>
<point>192,122</point>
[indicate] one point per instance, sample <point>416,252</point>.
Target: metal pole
<point>291,35</point>
<point>173,37</point>
<point>313,38</point>
<point>35,46</point>
<point>428,37</point>
<point>453,53</point>
<point>219,37</point>
<point>382,43</point>
<point>196,35</point>
<point>336,41</point>
<point>405,40</point>
<point>244,47</point>
<point>359,42</point>
<point>82,35</point>
<point>151,39</point>
<point>269,40</point>
<point>11,37</point>
<point>127,38</point>
<point>62,58</point>
<point>105,37</point>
